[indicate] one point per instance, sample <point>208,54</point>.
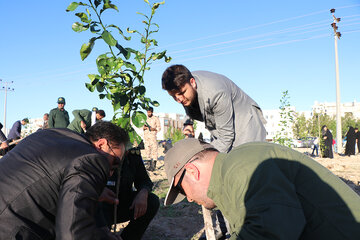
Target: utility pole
<point>337,36</point>
<point>6,89</point>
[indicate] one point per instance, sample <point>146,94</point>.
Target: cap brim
<point>173,196</point>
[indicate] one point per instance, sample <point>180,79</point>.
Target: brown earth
<point>184,221</point>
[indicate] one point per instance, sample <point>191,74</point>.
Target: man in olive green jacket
<point>266,191</point>
<point>81,122</point>
<point>59,117</point>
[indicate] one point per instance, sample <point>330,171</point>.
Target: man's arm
<point>224,119</point>
<point>51,119</point>
<point>158,126</point>
<point>78,198</point>
<point>143,184</point>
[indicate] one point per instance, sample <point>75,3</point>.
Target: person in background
<point>97,115</point>
<point>188,129</point>
<point>350,142</point>
<point>59,117</point>
<point>265,190</point>
<point>316,147</point>
<point>326,142</point>
<point>151,128</point>
<point>45,121</point>
<point>15,131</point>
<point>357,136</point>
<point>81,122</point>
<point>3,142</point>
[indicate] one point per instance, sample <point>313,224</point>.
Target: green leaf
<point>120,31</point>
<point>94,78</point>
<point>93,29</point>
<point>90,87</point>
<point>79,27</point>
<point>147,1</point>
<point>138,118</point>
<point>72,6</point>
<point>123,51</point>
<point>83,17</point>
<point>86,48</point>
<point>155,103</point>
<point>100,87</point>
<point>102,96</point>
<point>97,3</point>
<point>108,38</point>
<point>130,65</point>
<point>123,122</point>
<point>130,31</point>
<point>134,137</point>
<point>142,90</point>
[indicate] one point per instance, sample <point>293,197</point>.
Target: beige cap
<point>175,160</point>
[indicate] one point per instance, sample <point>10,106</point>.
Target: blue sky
<point>265,47</point>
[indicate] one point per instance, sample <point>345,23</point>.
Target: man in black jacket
<point>138,206</point>
<point>51,182</point>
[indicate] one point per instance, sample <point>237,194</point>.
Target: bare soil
<point>184,221</point>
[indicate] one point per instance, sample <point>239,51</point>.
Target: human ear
<point>193,82</point>
<point>193,171</point>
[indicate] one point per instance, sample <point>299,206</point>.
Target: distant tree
<point>174,134</point>
<point>300,126</point>
<point>283,137</point>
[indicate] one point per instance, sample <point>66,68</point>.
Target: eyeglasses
<point>178,185</point>
<point>117,160</point>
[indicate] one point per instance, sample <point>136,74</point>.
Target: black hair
<point>151,109</point>
<point>111,132</point>
<point>101,112</point>
<point>175,77</point>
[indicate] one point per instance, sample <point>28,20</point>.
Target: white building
<point>330,108</point>
<point>272,127</point>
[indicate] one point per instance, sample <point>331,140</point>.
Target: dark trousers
<point>136,228</point>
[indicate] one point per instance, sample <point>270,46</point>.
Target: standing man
<point>45,121</point>
<point>357,136</point>
<point>59,117</point>
<point>51,182</point>
<point>151,128</point>
<point>15,131</point>
<point>230,115</point>
<point>265,190</point>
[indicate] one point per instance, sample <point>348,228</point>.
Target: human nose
<point>179,98</point>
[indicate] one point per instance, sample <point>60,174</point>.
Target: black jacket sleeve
<point>82,184</point>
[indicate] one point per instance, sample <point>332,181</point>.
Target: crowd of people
<point>75,180</point>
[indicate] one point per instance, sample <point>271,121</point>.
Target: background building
<point>329,108</point>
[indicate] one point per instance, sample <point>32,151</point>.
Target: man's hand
<point>108,196</point>
<point>4,145</point>
<point>140,203</point>
<point>83,125</point>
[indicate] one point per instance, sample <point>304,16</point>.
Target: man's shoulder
<point>53,110</point>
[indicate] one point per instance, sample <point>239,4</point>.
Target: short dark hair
<point>151,109</point>
<point>101,112</point>
<point>111,132</point>
<point>175,77</point>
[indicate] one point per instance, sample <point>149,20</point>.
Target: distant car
<point>306,142</point>
<point>296,143</point>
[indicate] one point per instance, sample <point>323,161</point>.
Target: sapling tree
<point>121,69</point>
